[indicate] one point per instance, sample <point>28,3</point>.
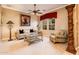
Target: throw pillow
<point>21,31</point>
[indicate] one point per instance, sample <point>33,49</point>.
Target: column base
<point>71,50</point>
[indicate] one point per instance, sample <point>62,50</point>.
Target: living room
<point>45,23</point>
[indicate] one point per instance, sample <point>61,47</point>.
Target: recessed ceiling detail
<point>44,8</point>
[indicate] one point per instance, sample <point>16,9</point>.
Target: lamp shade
<point>10,22</point>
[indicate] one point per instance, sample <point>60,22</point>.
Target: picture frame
<point>25,20</point>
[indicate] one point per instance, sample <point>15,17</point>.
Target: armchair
<point>60,36</point>
<point>20,34</point>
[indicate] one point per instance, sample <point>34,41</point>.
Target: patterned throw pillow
<point>21,31</point>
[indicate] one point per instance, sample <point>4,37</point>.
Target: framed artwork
<point>52,24</point>
<point>44,25</point>
<point>25,20</point>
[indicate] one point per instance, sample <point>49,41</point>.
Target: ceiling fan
<point>36,11</point>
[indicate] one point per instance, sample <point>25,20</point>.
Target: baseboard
<point>6,39</point>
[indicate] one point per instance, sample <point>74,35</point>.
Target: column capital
<point>70,6</point>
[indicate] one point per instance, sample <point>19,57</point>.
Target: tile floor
<point>45,47</point>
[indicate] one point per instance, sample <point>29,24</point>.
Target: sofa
<point>22,33</point>
<point>59,36</point>
<point>29,35</point>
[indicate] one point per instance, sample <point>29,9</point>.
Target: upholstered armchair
<point>20,34</point>
<point>59,36</point>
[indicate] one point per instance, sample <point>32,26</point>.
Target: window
<point>48,24</point>
<point>52,24</point>
<point>44,25</point>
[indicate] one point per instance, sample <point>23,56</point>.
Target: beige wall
<point>76,25</point>
<point>0,23</point>
<point>62,20</point>
<point>61,23</point>
<point>15,17</point>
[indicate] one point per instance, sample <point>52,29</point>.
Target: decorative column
<point>70,47</point>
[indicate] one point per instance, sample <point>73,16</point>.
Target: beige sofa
<point>59,36</point>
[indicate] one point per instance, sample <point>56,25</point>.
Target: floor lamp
<point>10,25</point>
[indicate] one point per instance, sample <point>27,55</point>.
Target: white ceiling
<point>25,7</point>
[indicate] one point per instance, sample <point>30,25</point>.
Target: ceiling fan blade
<point>29,10</point>
<point>39,12</point>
